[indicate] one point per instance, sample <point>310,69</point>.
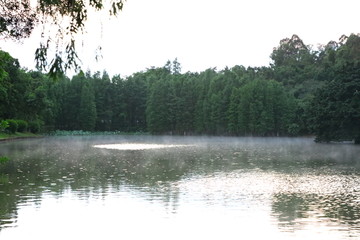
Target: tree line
<point>304,91</point>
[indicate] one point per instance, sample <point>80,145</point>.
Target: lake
<point>149,187</point>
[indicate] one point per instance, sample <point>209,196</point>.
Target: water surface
<point>132,187</point>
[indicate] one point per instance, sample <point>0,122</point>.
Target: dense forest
<point>304,91</point>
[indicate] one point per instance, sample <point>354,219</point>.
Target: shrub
<point>13,126</point>
<point>3,125</point>
<point>35,126</point>
<point>22,125</point>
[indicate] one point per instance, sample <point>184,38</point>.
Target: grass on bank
<point>89,133</point>
<point>4,136</point>
<point>8,136</point>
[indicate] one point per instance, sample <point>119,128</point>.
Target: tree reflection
<point>295,211</point>
<point>88,172</point>
<point>56,166</point>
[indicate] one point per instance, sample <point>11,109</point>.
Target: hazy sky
<point>202,33</point>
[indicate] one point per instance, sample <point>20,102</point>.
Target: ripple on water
<point>295,199</point>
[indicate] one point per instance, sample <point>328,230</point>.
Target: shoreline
<point>20,137</point>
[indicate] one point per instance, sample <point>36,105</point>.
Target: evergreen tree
<point>159,112</point>
<point>72,102</point>
<point>233,112</point>
<point>104,100</point>
<point>185,114</point>
<point>119,105</point>
<point>136,96</point>
<point>264,109</point>
<point>87,111</point>
<point>236,101</point>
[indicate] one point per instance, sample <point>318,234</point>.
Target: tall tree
<point>336,107</point>
<point>293,63</point>
<point>72,102</point>
<point>233,112</point>
<point>104,94</point>
<point>136,96</point>
<point>186,100</point>
<point>160,115</point>
<point>264,109</point>
<point>202,112</point>
<point>119,105</point>
<point>87,111</point>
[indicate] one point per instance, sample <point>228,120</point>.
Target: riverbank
<point>89,133</point>
<point>18,135</point>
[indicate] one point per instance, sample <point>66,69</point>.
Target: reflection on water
<point>179,187</point>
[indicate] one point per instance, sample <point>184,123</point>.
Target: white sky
<point>202,33</point>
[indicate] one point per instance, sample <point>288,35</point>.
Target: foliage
<point>17,18</point>
<point>87,114</point>
<point>264,109</point>
<point>303,92</point>
<point>22,125</point>
<point>336,107</point>
<point>160,106</point>
<point>13,125</point>
<point>3,125</point>
<point>62,21</point>
<point>35,126</point>
<point>294,65</point>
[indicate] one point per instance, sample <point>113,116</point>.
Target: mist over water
<point>179,187</point>
<point>137,146</point>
